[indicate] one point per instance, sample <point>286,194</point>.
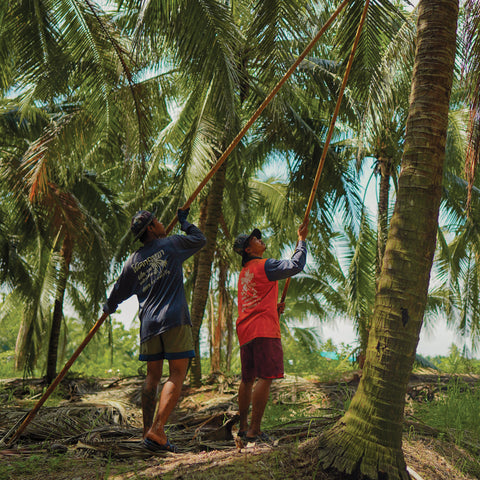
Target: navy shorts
<point>262,358</point>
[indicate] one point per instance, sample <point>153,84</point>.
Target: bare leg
<point>259,402</point>
<point>168,399</point>
<point>149,393</point>
<point>244,400</point>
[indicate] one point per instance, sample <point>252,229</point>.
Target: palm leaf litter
<point>103,417</point>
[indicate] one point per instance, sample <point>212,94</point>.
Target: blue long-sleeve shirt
<point>154,274</point>
<point>281,269</point>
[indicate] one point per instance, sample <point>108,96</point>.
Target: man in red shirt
<point>258,325</point>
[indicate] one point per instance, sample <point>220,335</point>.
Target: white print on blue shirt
<point>152,269</point>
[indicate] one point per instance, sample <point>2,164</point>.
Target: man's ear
<point>248,248</point>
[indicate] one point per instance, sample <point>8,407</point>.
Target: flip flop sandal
<point>154,446</point>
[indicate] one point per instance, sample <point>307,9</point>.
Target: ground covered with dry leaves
<point>92,430</point>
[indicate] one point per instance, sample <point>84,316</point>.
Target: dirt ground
<point>94,429</point>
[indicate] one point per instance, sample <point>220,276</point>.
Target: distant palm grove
<point>113,106</point>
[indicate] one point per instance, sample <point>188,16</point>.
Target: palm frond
<point>471,62</point>
<point>383,22</point>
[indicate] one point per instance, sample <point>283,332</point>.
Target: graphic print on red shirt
<point>257,303</point>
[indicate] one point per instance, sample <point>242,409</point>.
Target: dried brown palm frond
<point>95,430</point>
<point>99,418</point>
<point>63,423</point>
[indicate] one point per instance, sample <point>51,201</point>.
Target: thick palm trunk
<point>368,439</point>
<point>204,267</point>
<point>57,316</point>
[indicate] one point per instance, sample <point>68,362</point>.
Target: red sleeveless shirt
<point>257,303</point>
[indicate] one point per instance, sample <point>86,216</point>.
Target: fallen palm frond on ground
<point>99,421</point>
<point>103,417</point>
<point>102,430</point>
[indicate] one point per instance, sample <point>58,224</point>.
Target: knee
<point>154,375</point>
<point>178,370</point>
<point>177,375</point>
<point>246,385</point>
<point>263,385</point>
<point>151,382</point>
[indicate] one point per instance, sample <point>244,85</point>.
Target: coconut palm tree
<point>229,56</point>
<point>383,140</point>
<point>75,220</point>
<point>75,111</point>
<point>367,440</point>
<point>456,266</point>
<point>61,54</point>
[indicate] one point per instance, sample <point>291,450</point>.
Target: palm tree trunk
<point>368,439</point>
<point>202,221</point>
<point>22,354</point>
<point>230,332</point>
<point>57,317</point>
<point>217,328</point>
<point>211,320</point>
<point>218,334</point>
<point>382,214</point>
<point>204,267</point>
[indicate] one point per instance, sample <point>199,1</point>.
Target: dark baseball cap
<point>140,221</point>
<point>241,242</point>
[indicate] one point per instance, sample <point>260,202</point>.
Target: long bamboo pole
<point>192,197</point>
<point>54,384</point>
<point>313,192</point>
<point>257,113</point>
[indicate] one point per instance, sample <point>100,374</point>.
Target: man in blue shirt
<point>154,274</point>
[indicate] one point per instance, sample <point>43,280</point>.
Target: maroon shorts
<point>262,358</point>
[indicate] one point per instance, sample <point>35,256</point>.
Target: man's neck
<point>151,237</point>
<point>253,257</point>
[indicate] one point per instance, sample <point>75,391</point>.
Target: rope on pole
<point>257,113</point>
<point>54,384</point>
<point>330,130</point>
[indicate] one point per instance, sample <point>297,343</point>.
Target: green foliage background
<point>113,351</point>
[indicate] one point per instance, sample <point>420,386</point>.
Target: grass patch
<point>455,411</point>
<point>41,466</point>
<point>278,413</point>
<point>455,414</point>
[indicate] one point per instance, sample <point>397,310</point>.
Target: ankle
<point>159,437</point>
